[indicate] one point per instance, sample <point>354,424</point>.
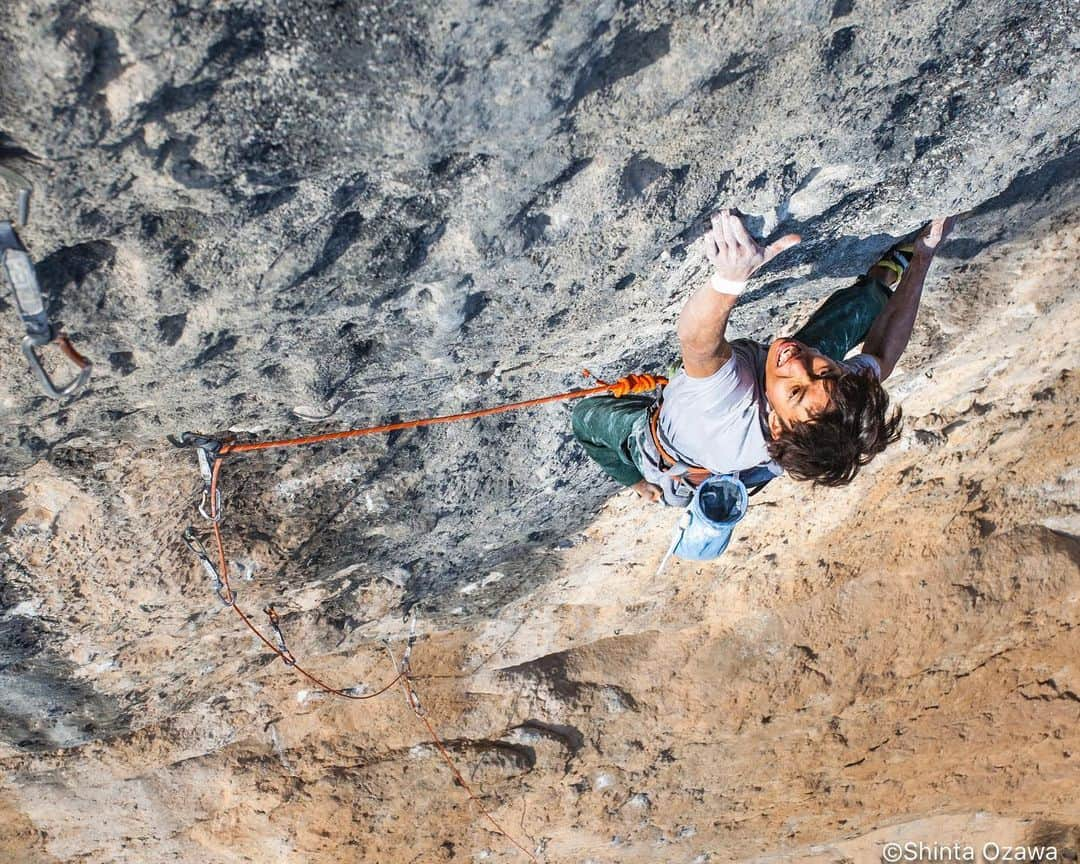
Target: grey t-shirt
<point>719,422</point>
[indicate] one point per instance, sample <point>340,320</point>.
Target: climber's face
<point>798,383</point>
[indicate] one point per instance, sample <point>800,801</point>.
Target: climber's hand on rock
<point>930,237</point>
<point>735,255</point>
<point>648,491</point>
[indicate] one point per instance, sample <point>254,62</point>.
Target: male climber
<point>747,408</point>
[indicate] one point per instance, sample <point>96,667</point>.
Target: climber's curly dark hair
<point>832,447</point>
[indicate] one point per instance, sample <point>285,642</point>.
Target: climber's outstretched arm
<point>735,256</point>
<point>701,331</point>
<point>891,330</point>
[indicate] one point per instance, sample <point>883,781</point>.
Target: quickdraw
<point>275,624</point>
<point>192,541</point>
<point>21,275</point>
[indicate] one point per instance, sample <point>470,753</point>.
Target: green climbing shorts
<point>842,321</point>
<point>606,425</point>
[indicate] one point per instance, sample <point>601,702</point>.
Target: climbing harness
<point>754,479</point>
<point>693,475</point>
<point>21,275</point>
<point>212,452</point>
<point>718,502</point>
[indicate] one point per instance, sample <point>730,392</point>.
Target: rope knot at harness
<point>637,383</point>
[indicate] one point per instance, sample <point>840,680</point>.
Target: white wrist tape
<point>726,286</point>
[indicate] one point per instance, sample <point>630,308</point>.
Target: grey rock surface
<point>267,219</point>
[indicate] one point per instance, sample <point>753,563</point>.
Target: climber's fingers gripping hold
<point>932,235</point>
<point>649,491</point>
<point>711,247</point>
<point>735,255</point>
<point>778,246</point>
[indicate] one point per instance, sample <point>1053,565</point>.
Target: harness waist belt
<point>695,474</point>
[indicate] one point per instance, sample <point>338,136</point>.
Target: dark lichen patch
<point>842,8</point>
<point>99,50</point>
<point>475,303</point>
<point>219,344</point>
<point>266,202</point>
<point>343,235</point>
<point>533,227</point>
<point>631,51</point>
<point>639,174</point>
<point>171,327</point>
<point>349,192</point>
<point>10,510</point>
<point>43,704</point>
<point>122,362</point>
<point>731,72</point>
<point>839,44</point>
<point>72,265</point>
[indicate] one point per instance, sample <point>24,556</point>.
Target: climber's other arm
<point>891,330</point>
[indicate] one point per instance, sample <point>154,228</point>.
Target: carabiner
<point>84,366</point>
<point>223,591</point>
<point>275,624</point>
<point>19,268</point>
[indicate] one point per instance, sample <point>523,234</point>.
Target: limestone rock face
<point>271,219</point>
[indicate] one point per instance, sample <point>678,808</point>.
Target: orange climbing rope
<point>282,651</point>
<point>212,453</point>
<point>623,387</point>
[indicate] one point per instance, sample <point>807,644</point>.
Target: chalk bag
<point>718,505</point>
